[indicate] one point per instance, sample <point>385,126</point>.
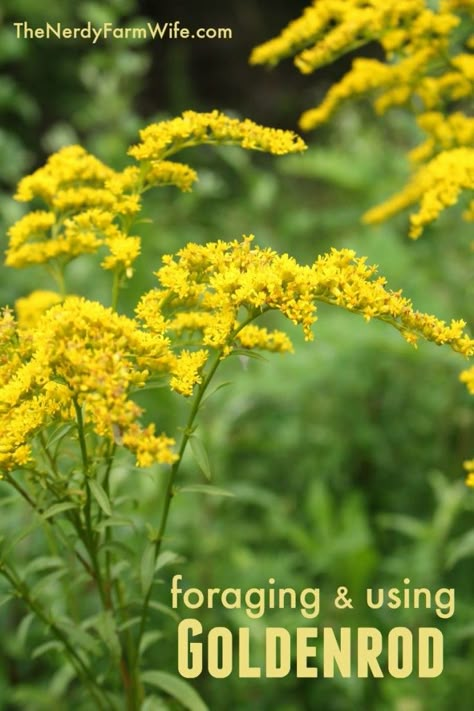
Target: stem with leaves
<point>170,487</point>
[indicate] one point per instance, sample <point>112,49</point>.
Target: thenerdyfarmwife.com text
<point>309,651</point>
<point>170,30</point>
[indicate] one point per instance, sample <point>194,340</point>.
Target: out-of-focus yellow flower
<point>467,376</point>
<point>436,186</point>
<point>426,66</point>
<point>29,309</point>
<point>469,467</point>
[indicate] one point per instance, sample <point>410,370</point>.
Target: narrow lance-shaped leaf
<point>177,688</point>
<point>100,496</point>
<point>200,455</point>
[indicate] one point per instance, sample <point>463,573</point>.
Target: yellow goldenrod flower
<point>214,282</point>
<point>423,67</point>
<point>186,371</point>
<point>327,29</point>
<point>469,467</point>
<point>436,186</point>
<point>445,132</point>
<point>467,376</point>
<point>165,138</point>
<point>65,170</point>
<point>81,352</point>
<point>30,308</point>
<point>123,252</point>
<point>252,336</point>
<point>90,205</point>
<point>167,172</point>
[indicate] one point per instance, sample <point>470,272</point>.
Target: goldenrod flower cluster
<point>435,186</point>
<point>89,205</point>
<point>166,138</point>
<point>426,65</point>
<point>80,352</point>
<point>69,359</point>
<point>445,132</point>
<point>85,202</point>
<point>73,353</point>
<point>216,288</point>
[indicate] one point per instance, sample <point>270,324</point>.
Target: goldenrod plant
<point>71,369</point>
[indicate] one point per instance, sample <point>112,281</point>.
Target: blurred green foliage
<point>344,459</point>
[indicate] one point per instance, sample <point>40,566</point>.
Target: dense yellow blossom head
<point>214,289</point>
<point>166,138</point>
<point>88,206</point>
<point>81,352</point>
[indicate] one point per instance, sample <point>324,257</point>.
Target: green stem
<point>108,532</point>
<point>82,670</point>
<point>48,455</point>
<point>169,492</point>
<point>50,521</point>
<point>82,439</point>
<point>57,273</point>
<point>91,540</point>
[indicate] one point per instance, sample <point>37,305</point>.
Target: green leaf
<point>200,455</point>
<point>43,563</point>
<point>100,496</point>
<point>462,547</point>
<point>213,392</point>
<point>58,508</point>
<point>46,647</point>
<point>151,385</point>
<point>48,580</point>
<point>9,500</point>
<point>407,525</point>
<point>105,626</point>
<point>22,535</point>
<point>166,558</point>
<point>117,546</point>
<point>153,703</point>
<point>165,610</point>
<point>150,638</point>
<point>175,687</point>
<point>23,629</point>
<point>59,682</point>
<point>248,354</point>
<point>147,567</point>
<point>130,623</point>
<point>79,637</point>
<point>113,521</point>
<point>204,489</point>
<point>5,599</point>
<point>58,434</point>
